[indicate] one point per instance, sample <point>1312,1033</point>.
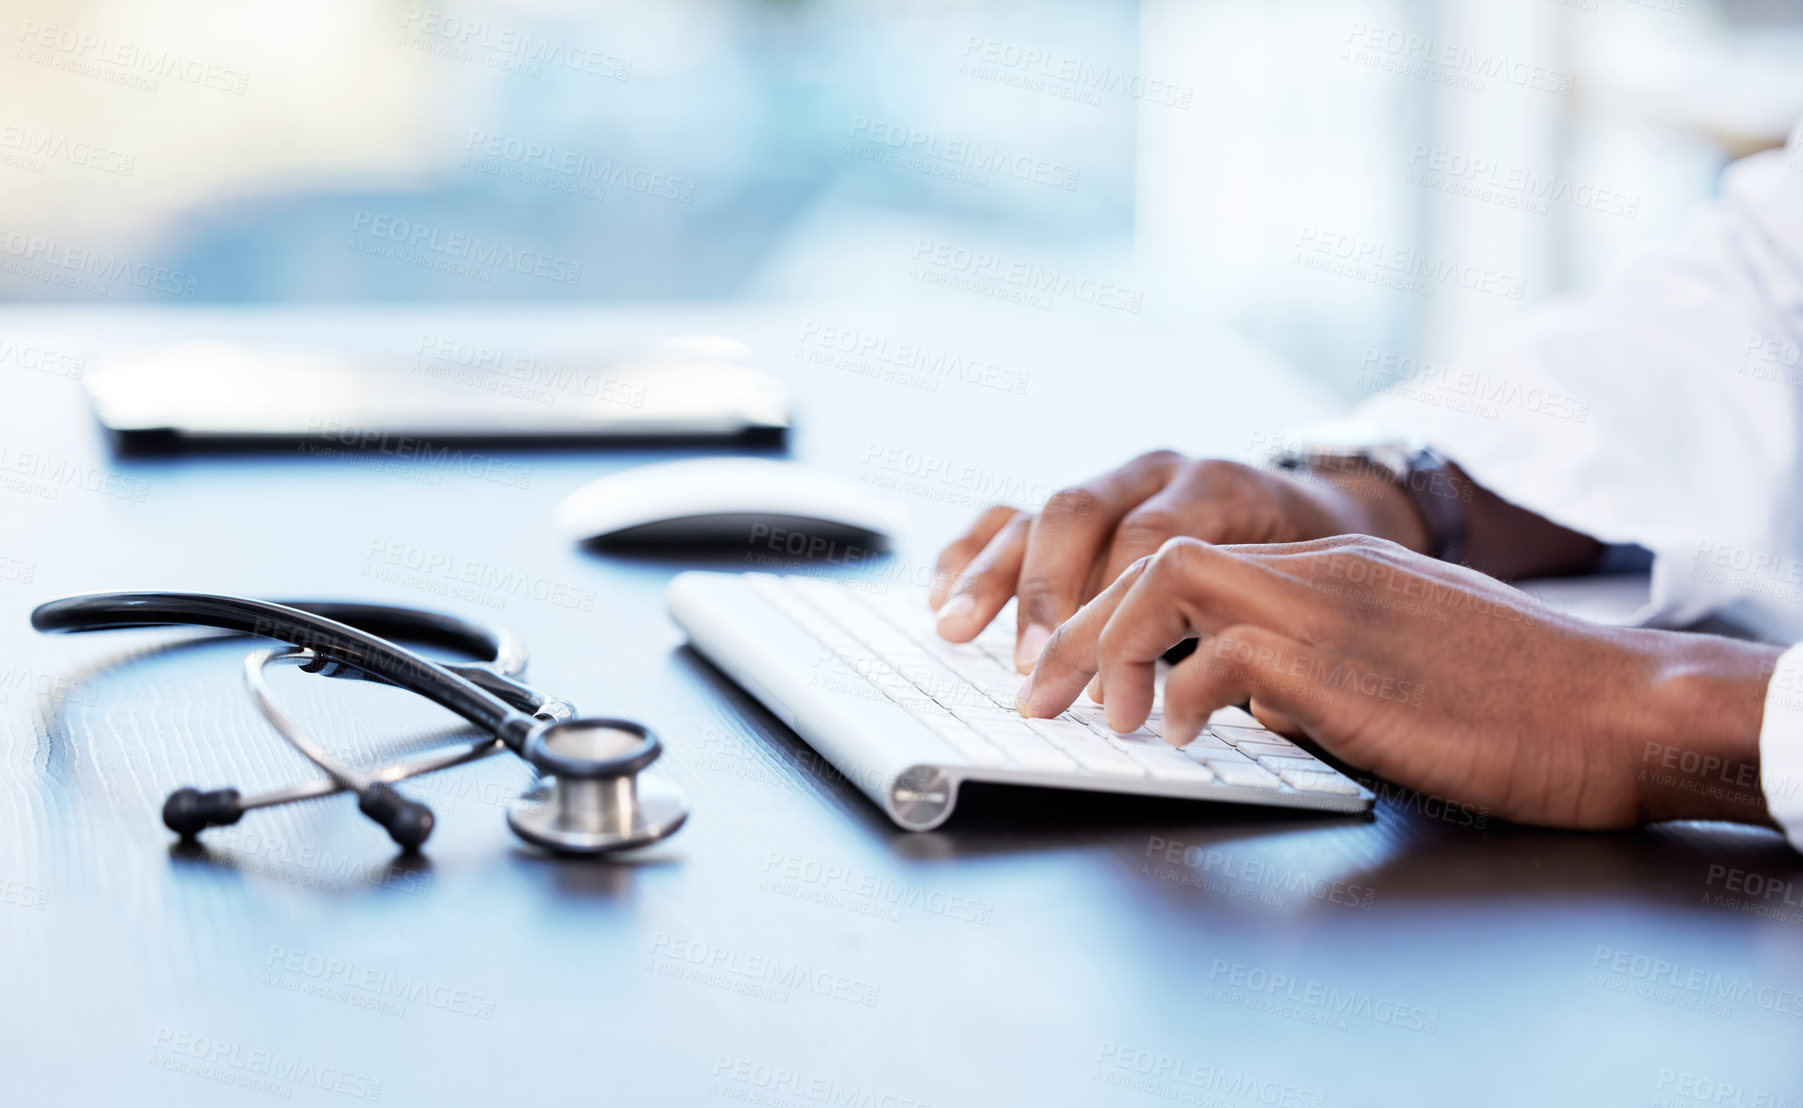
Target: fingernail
<point>957,608</point>
<point>1031,646</point>
<point>1023,696</point>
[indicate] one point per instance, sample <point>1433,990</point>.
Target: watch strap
<point>1439,495</point>
<point>1436,492</point>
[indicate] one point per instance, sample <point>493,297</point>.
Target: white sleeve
<point>1781,746</point>
<point>1665,408</point>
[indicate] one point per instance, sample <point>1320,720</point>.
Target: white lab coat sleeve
<point>1781,746</point>
<point>1665,408</point>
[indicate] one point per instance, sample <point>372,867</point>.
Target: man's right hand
<point>1085,536</point>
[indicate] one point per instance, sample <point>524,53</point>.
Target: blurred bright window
<point>1203,160</point>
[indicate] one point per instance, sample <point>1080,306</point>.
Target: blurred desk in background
<point>790,946</point>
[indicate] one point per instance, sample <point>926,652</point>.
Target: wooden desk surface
<point>790,946</point>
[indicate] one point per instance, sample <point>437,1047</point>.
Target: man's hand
<point>1086,535</point>
<point>1434,676</point>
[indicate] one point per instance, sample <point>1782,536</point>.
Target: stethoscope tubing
<point>342,779</point>
<point>254,664</point>
<point>341,649</point>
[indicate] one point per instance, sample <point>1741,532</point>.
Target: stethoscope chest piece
<point>592,799</point>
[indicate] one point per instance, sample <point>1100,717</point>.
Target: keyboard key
<point>1243,775</point>
<point>1234,717</point>
<point>1162,761</point>
<point>1319,781</point>
<point>977,713</point>
<point>1041,758</point>
<point>933,676</point>
<point>1061,731</point>
<point>1260,735</point>
<point>1090,750</point>
<point>1224,754</point>
<point>997,689</point>
<point>999,635</point>
<point>923,677</point>
<point>966,660</point>
<point>1143,737</point>
<point>1026,747</point>
<point>1005,726</point>
<point>1237,735</point>
<point>1088,713</point>
<point>929,675</point>
<point>951,652</point>
<point>965,741</point>
<point>911,655</point>
<point>892,684</point>
<point>1097,719</point>
<point>958,693</point>
<point>1254,750</point>
<point>1000,652</point>
<point>1280,765</point>
<point>1099,757</point>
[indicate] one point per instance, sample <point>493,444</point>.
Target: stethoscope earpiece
<point>188,811</point>
<point>590,801</point>
<point>409,822</point>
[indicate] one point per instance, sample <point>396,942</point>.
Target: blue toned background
<point>1174,153</point>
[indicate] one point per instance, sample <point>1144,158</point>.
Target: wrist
<point>1403,492</point>
<point>1372,505</point>
<point>1699,712</point>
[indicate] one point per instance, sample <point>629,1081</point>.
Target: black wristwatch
<point>1438,494</point>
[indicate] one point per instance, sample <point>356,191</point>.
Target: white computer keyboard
<point>908,717</point>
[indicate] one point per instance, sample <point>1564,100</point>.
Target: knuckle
<point>1078,500</point>
<point>1386,549</point>
<point>1038,586</point>
<point>1220,471</point>
<point>1240,633</point>
<point>1177,556</point>
<point>1144,525</point>
<point>1021,524</point>
<point>1159,458</point>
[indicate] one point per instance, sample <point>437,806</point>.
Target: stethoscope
<point>588,799</point>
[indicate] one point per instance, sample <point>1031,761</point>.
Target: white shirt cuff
<point>1781,745</point>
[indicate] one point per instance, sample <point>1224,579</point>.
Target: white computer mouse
<point>716,501</point>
